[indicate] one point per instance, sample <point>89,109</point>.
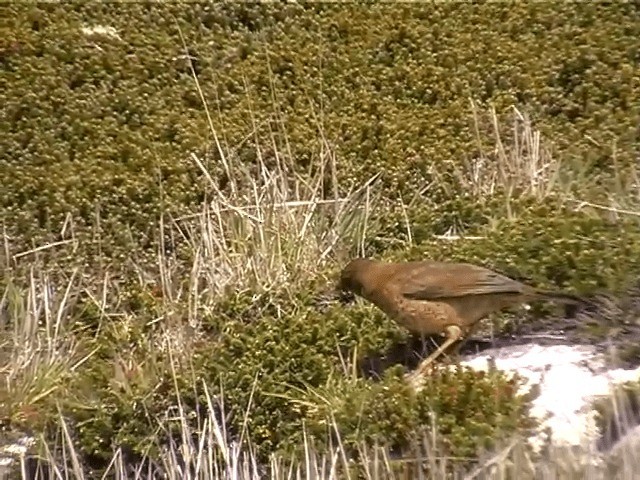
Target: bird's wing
<point>434,280</point>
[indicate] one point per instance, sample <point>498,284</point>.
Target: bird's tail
<point>572,303</point>
<point>561,297</point>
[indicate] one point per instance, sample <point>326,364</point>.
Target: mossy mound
<point>469,410</point>
<point>102,109</point>
<point>278,378</point>
<point>546,244</point>
<point>103,114</point>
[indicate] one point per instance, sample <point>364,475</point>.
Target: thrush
<point>438,298</point>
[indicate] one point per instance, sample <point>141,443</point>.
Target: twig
<point>499,458</point>
<point>583,203</point>
<point>43,247</point>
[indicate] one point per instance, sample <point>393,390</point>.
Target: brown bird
<point>432,298</point>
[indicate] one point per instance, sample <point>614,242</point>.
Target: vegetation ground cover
<point>181,184</point>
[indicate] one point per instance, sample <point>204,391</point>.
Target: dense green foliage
<point>95,122</point>
<point>288,386</point>
<point>551,246</point>
<point>97,135</point>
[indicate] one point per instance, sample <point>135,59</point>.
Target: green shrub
<point>96,147</point>
<point>117,117</point>
<point>281,367</point>
<point>548,246</point>
<point>469,410</point>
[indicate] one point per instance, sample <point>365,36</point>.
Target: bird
<point>438,298</point>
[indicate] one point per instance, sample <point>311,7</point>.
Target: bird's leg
<point>453,334</point>
<point>456,349</point>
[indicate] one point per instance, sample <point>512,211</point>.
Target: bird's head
<point>352,276</point>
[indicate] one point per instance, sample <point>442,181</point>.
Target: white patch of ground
<point>12,452</point>
<point>101,31</point>
<point>569,379</point>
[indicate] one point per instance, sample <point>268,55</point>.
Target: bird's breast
<point>428,318</point>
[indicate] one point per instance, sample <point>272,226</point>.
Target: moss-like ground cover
<point>181,184</point>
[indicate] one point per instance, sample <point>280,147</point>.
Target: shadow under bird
<point>438,298</point>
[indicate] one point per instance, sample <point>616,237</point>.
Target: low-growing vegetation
<point>185,182</point>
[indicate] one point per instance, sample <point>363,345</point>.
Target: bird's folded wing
<point>434,281</point>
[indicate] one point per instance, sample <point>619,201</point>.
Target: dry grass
<point>622,193</point>
<point>512,159</point>
<point>37,353</point>
<point>520,164</point>
<point>208,454</point>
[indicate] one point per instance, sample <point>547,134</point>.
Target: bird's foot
<point>416,378</point>
<point>415,381</point>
